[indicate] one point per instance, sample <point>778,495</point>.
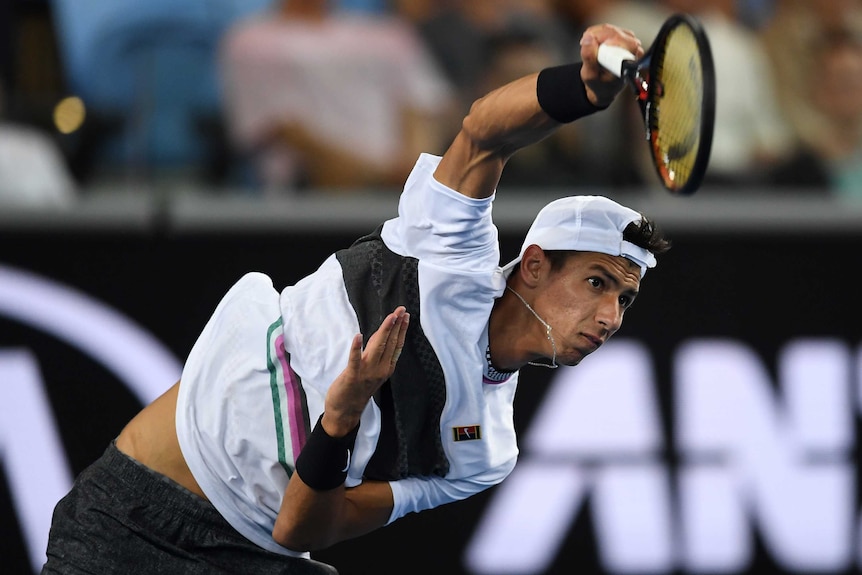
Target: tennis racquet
<point>674,84</point>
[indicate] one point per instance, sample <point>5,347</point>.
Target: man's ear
<point>533,264</point>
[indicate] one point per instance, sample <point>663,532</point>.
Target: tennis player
<point>290,431</point>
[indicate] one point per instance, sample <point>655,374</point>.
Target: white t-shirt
<point>348,79</point>
<point>255,381</point>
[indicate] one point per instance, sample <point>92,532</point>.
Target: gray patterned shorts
<point>121,517</point>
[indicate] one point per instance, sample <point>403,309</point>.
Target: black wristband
<point>562,94</point>
<point>322,464</point>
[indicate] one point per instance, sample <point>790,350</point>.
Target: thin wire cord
<point>553,364</point>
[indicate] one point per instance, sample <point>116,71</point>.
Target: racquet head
<point>674,84</point>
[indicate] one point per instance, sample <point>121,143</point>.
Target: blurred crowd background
<point>283,98</point>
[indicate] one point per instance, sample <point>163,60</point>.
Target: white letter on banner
<point>597,431</point>
<point>32,452</point>
<point>746,456</point>
<point>139,360</point>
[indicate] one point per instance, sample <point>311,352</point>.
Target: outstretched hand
<point>365,372</point>
<point>603,86</point>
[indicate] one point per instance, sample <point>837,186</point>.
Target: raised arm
<point>512,117</point>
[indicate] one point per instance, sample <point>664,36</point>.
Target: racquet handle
<point>613,57</point>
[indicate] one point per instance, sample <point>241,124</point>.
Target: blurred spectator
<point>33,171</point>
<point>520,49</point>
<point>460,35</point>
<point>830,155</point>
<point>755,14</point>
<point>7,33</point>
<point>808,40</point>
<point>643,17</point>
<point>457,34</point>
<point>321,98</point>
<point>370,6</point>
<point>790,38</point>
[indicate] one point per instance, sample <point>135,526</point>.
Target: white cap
<point>586,224</point>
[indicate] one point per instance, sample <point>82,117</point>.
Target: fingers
<point>594,36</point>
<point>345,399</point>
<point>385,346</point>
<point>394,343</point>
<point>366,370</point>
<point>354,359</point>
<point>601,85</point>
<point>399,339</point>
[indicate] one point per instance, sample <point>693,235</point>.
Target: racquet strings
<point>677,107</point>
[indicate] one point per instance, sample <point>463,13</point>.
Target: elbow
<point>474,129</point>
<point>290,539</point>
<point>299,540</point>
<point>490,135</point>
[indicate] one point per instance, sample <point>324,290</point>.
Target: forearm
<point>498,124</point>
<point>507,119</point>
<point>510,118</point>
<point>316,509</point>
<point>310,519</point>
<point>529,109</point>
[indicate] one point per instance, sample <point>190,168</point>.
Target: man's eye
<point>595,282</point>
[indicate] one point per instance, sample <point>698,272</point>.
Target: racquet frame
<point>642,76</point>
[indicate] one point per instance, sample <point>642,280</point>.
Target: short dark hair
<point>643,233</point>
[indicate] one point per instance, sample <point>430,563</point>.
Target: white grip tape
<point>612,58</point>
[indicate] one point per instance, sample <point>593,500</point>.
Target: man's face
<point>584,302</point>
<point>838,90</point>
